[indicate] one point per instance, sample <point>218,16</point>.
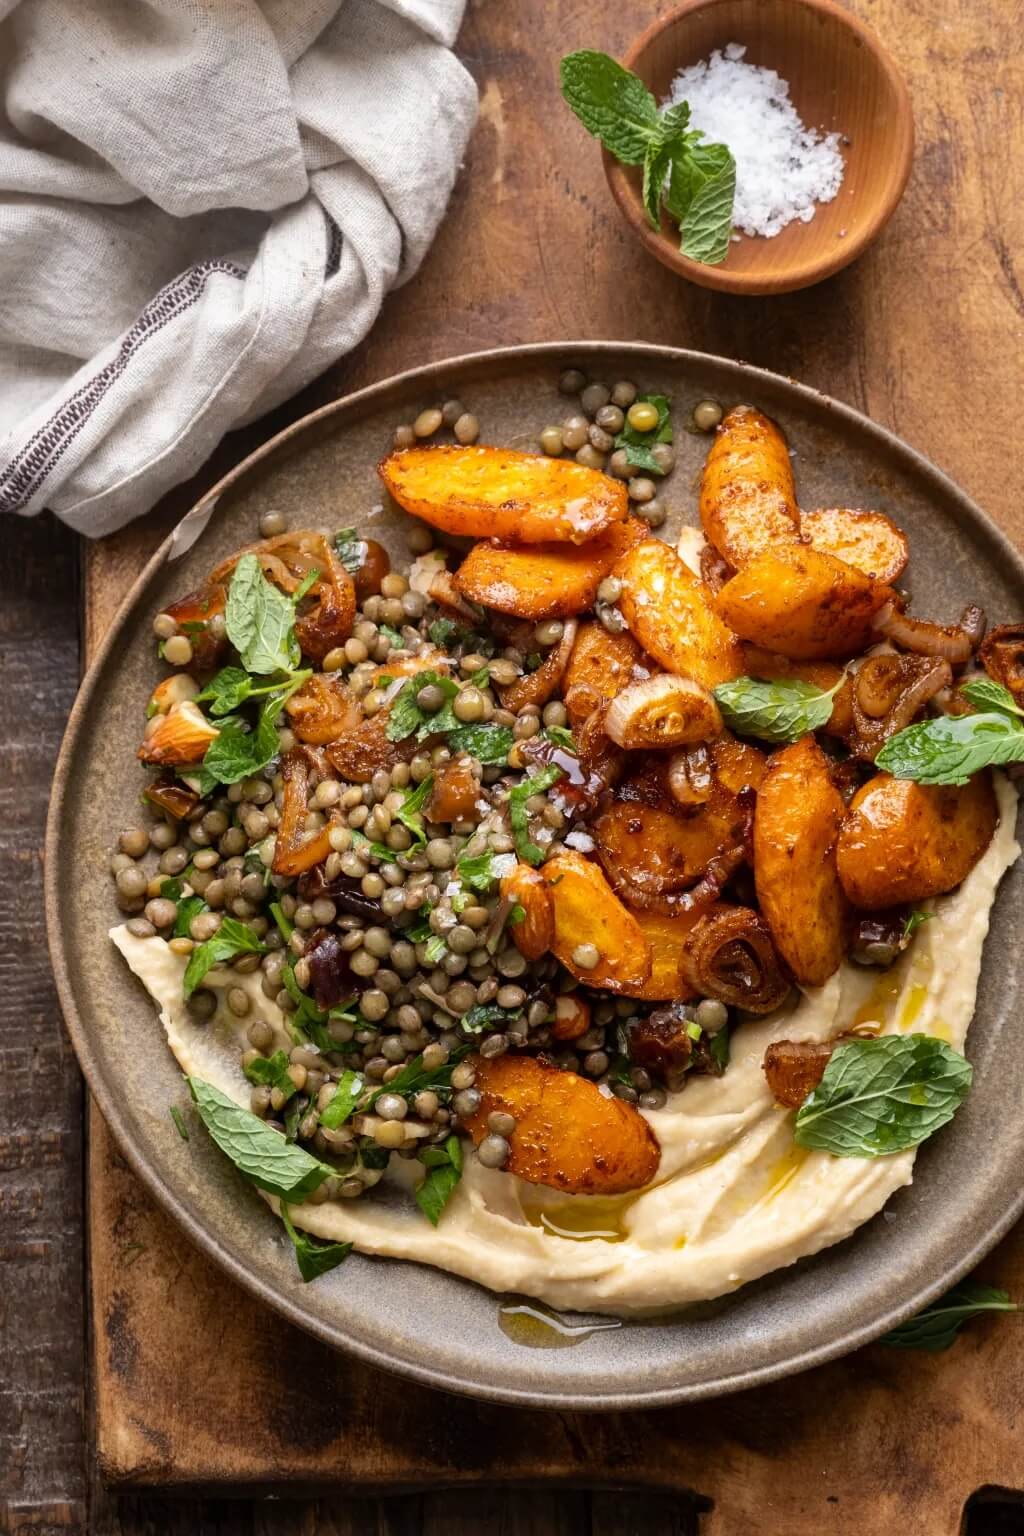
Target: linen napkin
<point>202,204</point>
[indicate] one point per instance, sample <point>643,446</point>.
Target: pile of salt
<point>782,168</point>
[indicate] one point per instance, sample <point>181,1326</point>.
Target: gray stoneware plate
<point>409,1318</point>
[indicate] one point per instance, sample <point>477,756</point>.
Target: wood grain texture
<point>42,1474</point>
<point>923,334</point>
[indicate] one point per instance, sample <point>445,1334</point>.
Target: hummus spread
<point>734,1198</point>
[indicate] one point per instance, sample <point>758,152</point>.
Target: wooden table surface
<point>924,334</point>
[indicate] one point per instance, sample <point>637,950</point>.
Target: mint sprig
<point>938,1326</point>
<point>950,748</point>
<point>695,180</point>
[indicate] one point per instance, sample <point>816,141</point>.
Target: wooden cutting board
<point>194,1383</point>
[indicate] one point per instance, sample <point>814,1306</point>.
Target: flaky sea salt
<point>783,170</point>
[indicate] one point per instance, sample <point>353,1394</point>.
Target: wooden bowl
<point>841,80</point>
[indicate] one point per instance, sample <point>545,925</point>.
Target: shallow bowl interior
<point>413,1319</point>
<point>841,80</point>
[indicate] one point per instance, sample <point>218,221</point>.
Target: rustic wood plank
<point>41,1259</point>
<point>920,333</point>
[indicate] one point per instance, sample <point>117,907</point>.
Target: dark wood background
<point>923,333</point>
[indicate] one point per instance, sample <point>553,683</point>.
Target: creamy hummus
<point>734,1198</point>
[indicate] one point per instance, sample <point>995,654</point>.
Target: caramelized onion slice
<point>294,851</point>
<point>885,695</point>
<point>1002,656</point>
<point>730,956</point>
<point>955,643</point>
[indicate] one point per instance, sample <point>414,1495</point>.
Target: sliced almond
<point>181,736</point>
<point>664,711</point>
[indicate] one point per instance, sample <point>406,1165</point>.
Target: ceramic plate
<point>416,1320</point>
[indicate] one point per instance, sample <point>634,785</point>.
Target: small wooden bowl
<point>841,80</point>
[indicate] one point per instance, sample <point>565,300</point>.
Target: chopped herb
<point>489,744</point>
<point>297,1107</point>
<point>285,926</point>
<point>883,1095</point>
<point>937,1327</point>
<point>313,1255</point>
<point>380,851</point>
<point>914,921</point>
<point>350,549</point>
<point>179,1122</point>
<point>232,687</point>
<point>414,1076</point>
<point>443,632</point>
<point>271,1072</point>
<point>436,949</point>
<point>406,716</point>
<point>409,811</point>
<point>638,445</point>
<point>350,1089</point>
<point>719,1045</point>
<point>257,1151</point>
<point>518,817</point>
<point>232,938</point>
<point>371,1155</point>
<point>694,1031</point>
<point>308,1022</point>
<point>486,1015</point>
<point>516,915</point>
<point>390,633</point>
<point>561,736</point>
<point>444,1170</point>
<point>477,870</point>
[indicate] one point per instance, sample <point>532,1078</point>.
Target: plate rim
<point>967,513</point>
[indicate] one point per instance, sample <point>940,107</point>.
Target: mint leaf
<point>257,1151</point>
<point>350,1089</point>
<point>656,166</point>
<point>489,744</point>
<point>260,620</point>
<point>780,711</point>
<point>707,229</point>
<point>987,694</point>
<point>694,164</point>
<point>444,1170</point>
<point>271,1072</point>
<point>225,692</point>
<point>518,817</point>
<point>937,1327</point>
<point>232,938</point>
<point>611,103</point>
<point>950,748</point>
<point>313,1255</point>
<point>883,1095</point>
